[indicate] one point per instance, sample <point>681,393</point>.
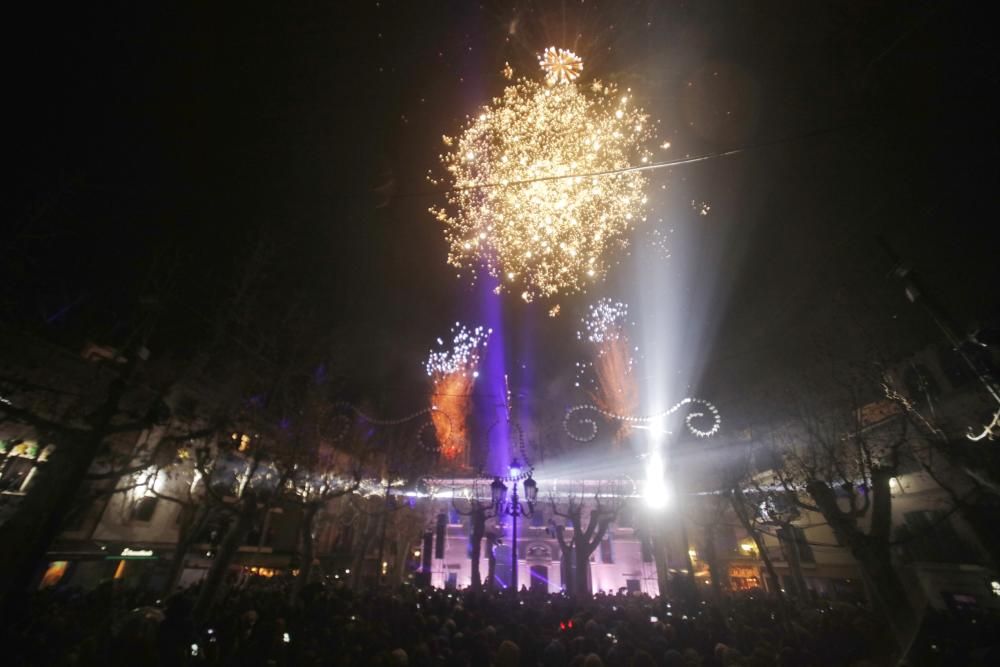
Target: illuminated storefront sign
<point>133,554</point>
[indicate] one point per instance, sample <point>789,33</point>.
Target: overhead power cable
<point>691,159</point>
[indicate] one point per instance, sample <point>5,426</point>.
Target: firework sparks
<point>614,387</point>
<point>659,239</point>
<point>453,371</point>
<point>560,65</point>
<point>463,355</point>
<point>538,198</point>
<point>605,322</point>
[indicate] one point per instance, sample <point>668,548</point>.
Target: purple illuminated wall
<point>491,380</point>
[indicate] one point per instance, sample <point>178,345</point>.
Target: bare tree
<point>311,487</point>
<point>706,514</point>
<point>479,512</point>
<point>76,408</point>
<point>601,511</point>
<point>835,453</point>
<point>320,465</point>
<point>965,470</point>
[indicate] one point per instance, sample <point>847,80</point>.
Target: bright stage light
<point>655,493</point>
<point>658,429</point>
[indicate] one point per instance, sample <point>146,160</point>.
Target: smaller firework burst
<point>560,65</point>
<point>609,377</point>
<point>453,371</point>
<point>585,376</point>
<point>463,355</point>
<point>605,322</point>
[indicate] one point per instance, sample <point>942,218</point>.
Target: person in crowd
<point>332,625</point>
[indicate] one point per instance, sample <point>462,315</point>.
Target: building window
<point>954,367</point>
<point>15,473</point>
<point>539,551</point>
<point>538,518</point>
<point>606,551</point>
<point>539,578</point>
<point>920,384</point>
<point>626,517</point>
<point>76,517</point>
<point>144,508</point>
<point>793,537</point>
<point>18,467</point>
<point>930,536</point>
<point>646,546</point>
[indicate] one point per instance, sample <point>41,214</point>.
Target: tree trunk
<point>790,543</point>
<point>402,557</point>
<point>491,562</point>
<point>581,572</point>
<point>736,498</point>
<point>981,516</point>
<point>566,552</point>
<point>186,537</point>
<point>660,551</point>
<point>235,536</point>
<point>872,552</point>
<point>306,549</point>
<point>365,537</point>
<point>888,595</point>
<point>691,587</point>
<point>715,569</point>
<point>477,545</point>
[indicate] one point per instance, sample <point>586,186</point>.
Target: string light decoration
<point>614,388</point>
<point>339,426</point>
<point>560,65</point>
<point>537,197</point>
<point>701,411</point>
<point>453,371</point>
<point>517,436</point>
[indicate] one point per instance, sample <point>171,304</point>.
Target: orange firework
<point>451,399</point>
<point>615,391</point>
<point>453,371</point>
<point>613,368</point>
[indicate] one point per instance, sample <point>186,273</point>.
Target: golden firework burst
<point>560,65</point>
<point>538,195</point>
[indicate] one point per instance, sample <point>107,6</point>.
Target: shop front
<point>134,566</point>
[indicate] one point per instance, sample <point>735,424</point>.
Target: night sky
<point>152,149</point>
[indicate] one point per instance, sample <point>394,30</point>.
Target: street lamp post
<point>514,508</point>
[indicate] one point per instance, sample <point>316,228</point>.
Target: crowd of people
<point>407,627</point>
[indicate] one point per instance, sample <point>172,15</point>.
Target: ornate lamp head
<point>498,492</point>
<point>530,490</point>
